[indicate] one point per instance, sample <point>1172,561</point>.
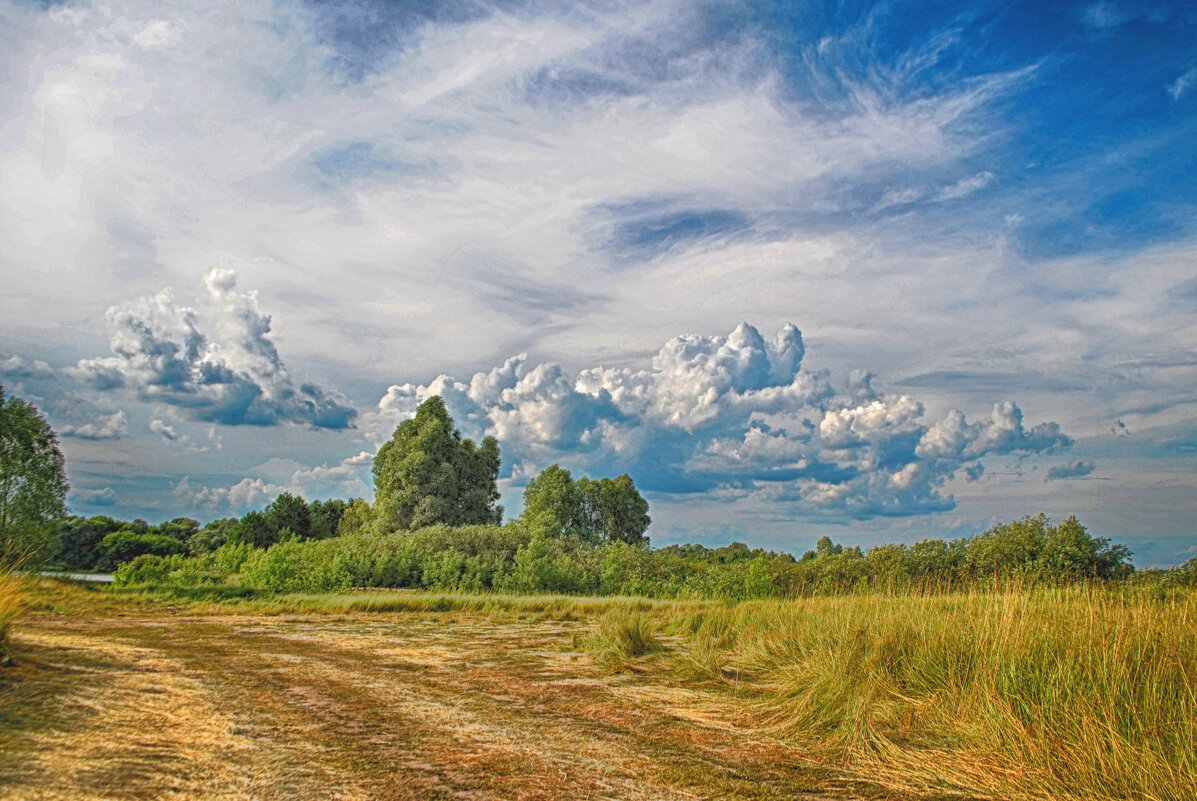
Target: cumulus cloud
<point>20,367</point>
<point>1073,469</point>
<point>735,413</point>
<point>164,429</point>
<point>217,363</point>
<point>112,426</point>
<point>105,496</point>
<point>344,479</point>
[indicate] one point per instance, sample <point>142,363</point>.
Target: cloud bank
<point>217,364</point>
<point>736,413</point>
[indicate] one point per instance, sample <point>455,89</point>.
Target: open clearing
<point>132,703</point>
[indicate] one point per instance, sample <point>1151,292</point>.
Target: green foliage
<point>1033,548</point>
<point>618,505</point>
<point>144,569</point>
<point>543,565</point>
<point>79,540</point>
<point>325,518</point>
<point>255,529</point>
<point>123,546</point>
<point>289,511</point>
<point>32,484</point>
<point>295,565</point>
<point>551,502</point>
<point>427,474</point>
<point>602,510</point>
<point>523,558</point>
<point>211,536</point>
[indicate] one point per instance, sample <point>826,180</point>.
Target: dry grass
<point>12,599</point>
<point>1079,693</point>
<point>141,700</point>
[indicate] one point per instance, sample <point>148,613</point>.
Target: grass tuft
<point>1060,693</point>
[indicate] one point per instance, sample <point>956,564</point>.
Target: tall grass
<point>1076,692</point>
<point>12,597</point>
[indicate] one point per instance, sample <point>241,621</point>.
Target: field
<point>136,701</point>
<point>1064,693</point>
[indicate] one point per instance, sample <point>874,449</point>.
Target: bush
<point>124,546</point>
<point>144,569</point>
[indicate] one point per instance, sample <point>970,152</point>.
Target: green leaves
<point>428,474</point>
<point>606,509</point>
<point>32,481</point>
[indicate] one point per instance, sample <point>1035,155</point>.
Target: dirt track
<point>400,706</point>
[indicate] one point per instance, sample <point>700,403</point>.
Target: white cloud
<point>1077,468</point>
<point>695,420</point>
<point>277,476</point>
<point>1106,15</point>
<point>105,496</point>
<point>966,186</point>
<point>233,375</point>
<point>1181,86</point>
<point>112,426</point>
<point>163,428</point>
<point>20,367</point>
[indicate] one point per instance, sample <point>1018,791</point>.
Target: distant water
<point>101,578</point>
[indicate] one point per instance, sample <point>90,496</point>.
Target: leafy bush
<point>124,546</point>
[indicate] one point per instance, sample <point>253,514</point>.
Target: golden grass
<point>133,702</point>
<point>12,599</point>
<point>1064,693</point>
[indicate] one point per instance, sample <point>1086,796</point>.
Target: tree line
<point>435,522</point>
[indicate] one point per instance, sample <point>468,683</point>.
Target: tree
<point>428,474</point>
<point>32,482</point>
<point>124,546</point>
<point>622,510</point>
<point>256,529</point>
<point>211,536</point>
<point>551,502</point>
<point>325,518</point>
<point>79,540</point>
<point>290,511</point>
<point>602,510</point>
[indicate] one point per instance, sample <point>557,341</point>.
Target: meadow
<point>1001,690</point>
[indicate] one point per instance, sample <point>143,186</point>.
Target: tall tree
<point>427,474</point>
<point>32,481</point>
<point>551,502</point>
<point>596,510</point>
<point>290,512</point>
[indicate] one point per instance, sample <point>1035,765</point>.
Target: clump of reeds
<point>1075,692</point>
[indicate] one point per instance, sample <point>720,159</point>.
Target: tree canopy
<point>605,509</point>
<point>33,482</point>
<point>427,473</point>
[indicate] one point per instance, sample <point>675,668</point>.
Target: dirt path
<point>400,706</point>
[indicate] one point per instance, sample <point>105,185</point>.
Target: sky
<point>875,271</point>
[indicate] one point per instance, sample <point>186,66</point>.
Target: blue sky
<point>880,271</point>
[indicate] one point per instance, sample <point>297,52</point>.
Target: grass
<point>1063,693</point>
<point>69,597</point>
<point>1084,692</point>
<point>117,695</point>
<point>12,596</point>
